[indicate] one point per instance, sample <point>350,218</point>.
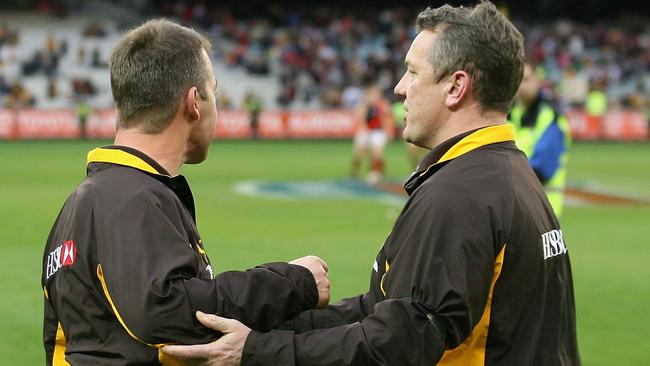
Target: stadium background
<point>297,59</point>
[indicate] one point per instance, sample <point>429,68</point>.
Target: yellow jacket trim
<point>482,137</point>
<point>58,359</point>
<point>381,284</point>
<point>472,351</point>
<point>100,276</point>
<point>119,157</point>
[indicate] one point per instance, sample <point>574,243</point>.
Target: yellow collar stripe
<point>482,137</point>
<point>119,157</point>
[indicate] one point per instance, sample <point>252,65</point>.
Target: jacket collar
<point>127,156</point>
<point>455,147</point>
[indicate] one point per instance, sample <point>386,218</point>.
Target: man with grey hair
<point>475,270</point>
<point>124,267</point>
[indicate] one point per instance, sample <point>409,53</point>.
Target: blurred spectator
<point>96,58</point>
<point>253,105</point>
<point>596,103</point>
<point>19,97</point>
<point>52,90</point>
<point>542,133</point>
<point>5,88</point>
<point>224,101</point>
<point>81,55</point>
<point>83,87</point>
<point>83,113</point>
<point>95,29</point>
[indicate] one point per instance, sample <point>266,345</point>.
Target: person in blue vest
<point>542,133</point>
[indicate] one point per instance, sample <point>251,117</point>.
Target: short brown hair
<point>151,68</point>
<point>481,42</point>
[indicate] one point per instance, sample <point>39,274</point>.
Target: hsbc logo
<point>553,244</point>
<point>64,255</point>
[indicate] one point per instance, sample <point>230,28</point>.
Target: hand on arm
<point>226,351</point>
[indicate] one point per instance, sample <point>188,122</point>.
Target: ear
<point>191,104</point>
<point>458,88</point>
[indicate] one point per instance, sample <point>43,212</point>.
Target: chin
<point>196,157</point>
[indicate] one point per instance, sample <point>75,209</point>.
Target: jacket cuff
<point>301,278</point>
<point>273,348</point>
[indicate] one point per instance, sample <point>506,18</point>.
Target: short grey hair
<point>151,68</point>
<point>481,42</point>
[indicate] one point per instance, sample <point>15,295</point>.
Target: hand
<point>318,269</point>
<point>225,351</point>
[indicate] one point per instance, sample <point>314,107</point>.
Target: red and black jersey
<point>474,272</point>
<point>125,270</point>
<point>374,116</point>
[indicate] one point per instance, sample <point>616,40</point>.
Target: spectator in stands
<point>83,87</point>
<point>253,105</point>
<point>81,55</point>
<point>19,97</point>
<point>5,88</point>
<point>96,58</point>
<point>52,89</point>
<point>83,113</point>
<point>95,29</point>
<point>542,133</point>
<point>224,101</point>
<point>596,103</point>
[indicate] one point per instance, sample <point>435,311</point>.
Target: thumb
<point>215,322</point>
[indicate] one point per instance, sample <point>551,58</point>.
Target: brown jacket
<point>124,270</point>
<point>474,272</point>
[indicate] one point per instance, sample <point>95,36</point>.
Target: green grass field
<point>609,245</point>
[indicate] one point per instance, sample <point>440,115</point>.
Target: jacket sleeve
<point>398,332</point>
<point>347,311</point>
<point>441,264</point>
<point>149,273</point>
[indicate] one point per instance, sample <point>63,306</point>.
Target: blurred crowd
<point>45,61</point>
<point>321,56</point>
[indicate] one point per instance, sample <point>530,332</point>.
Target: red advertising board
<point>233,124</point>
<point>7,125</point>
<point>40,124</point>
<point>306,124</point>
<point>620,125</point>
<point>102,123</point>
<point>321,124</point>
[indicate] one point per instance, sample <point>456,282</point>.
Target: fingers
<point>323,264</point>
<point>188,352</point>
<point>214,322</point>
<point>223,325</point>
<point>311,262</point>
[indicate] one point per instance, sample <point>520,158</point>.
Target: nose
<point>400,88</point>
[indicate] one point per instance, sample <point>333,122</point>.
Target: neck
<point>165,148</point>
<point>467,119</point>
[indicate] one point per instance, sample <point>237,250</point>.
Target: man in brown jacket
<point>124,267</point>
